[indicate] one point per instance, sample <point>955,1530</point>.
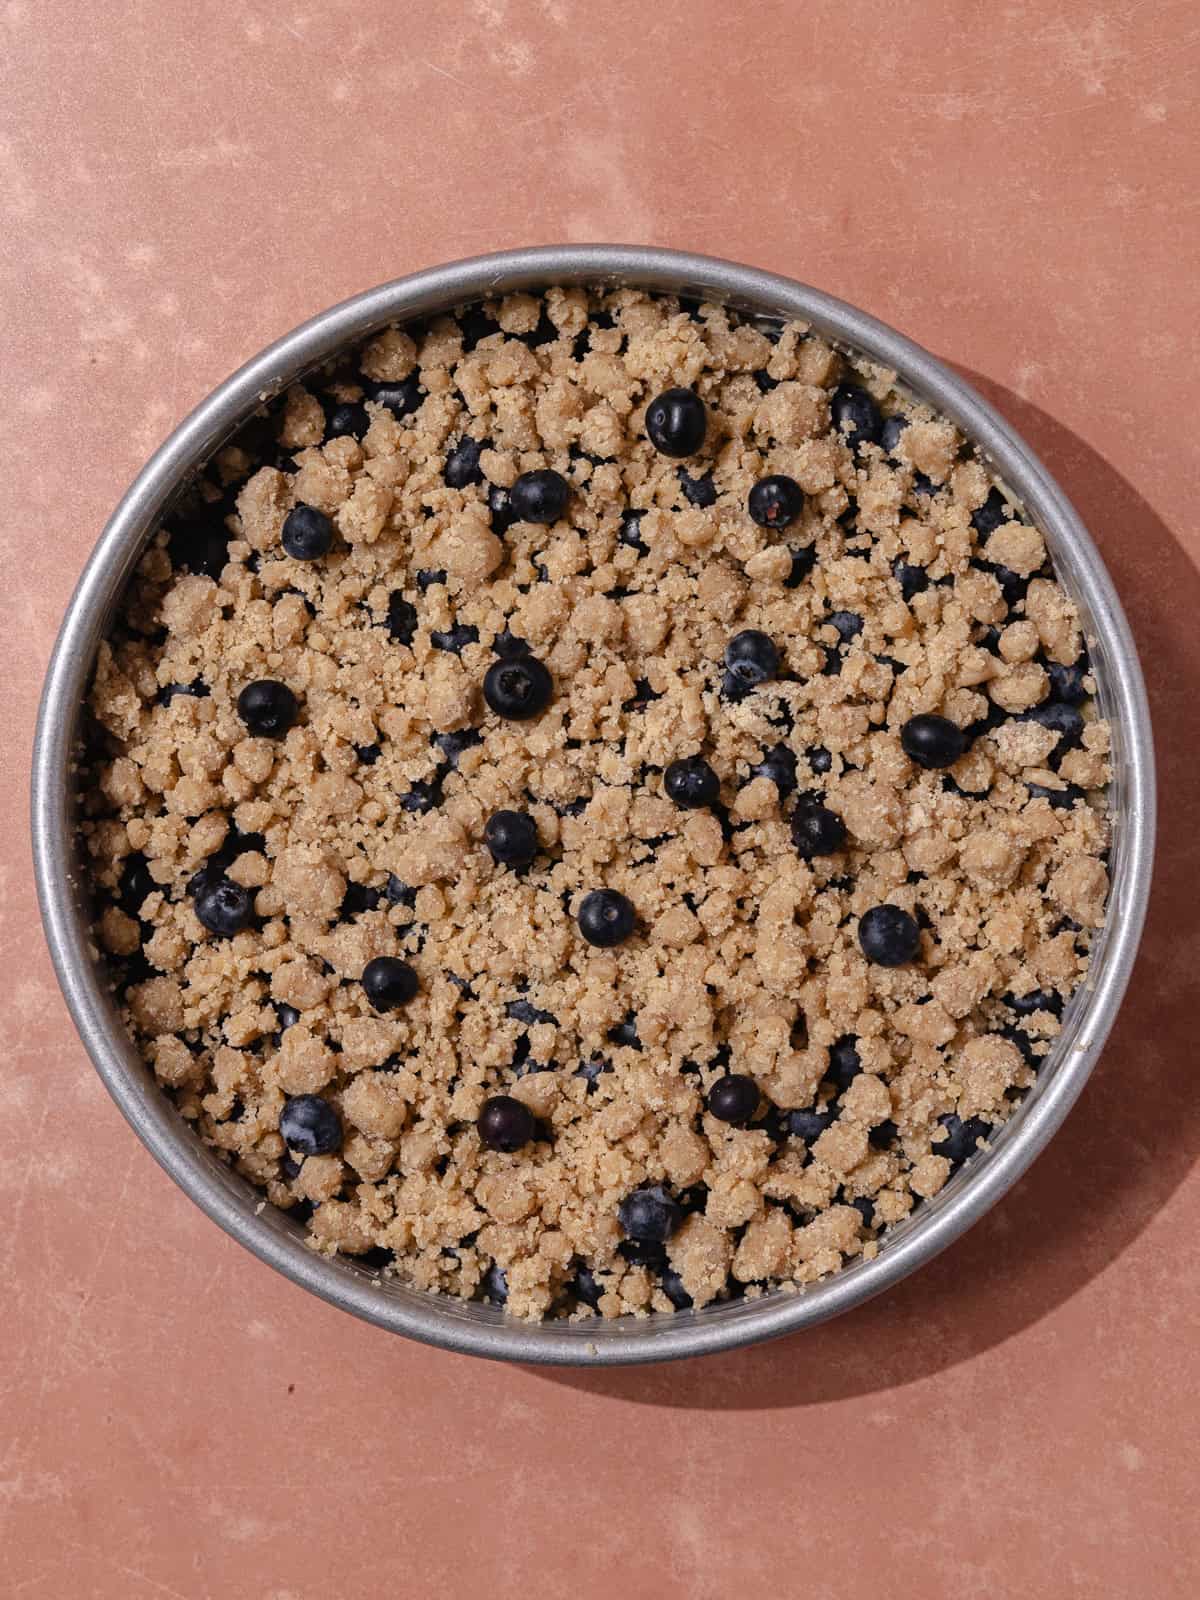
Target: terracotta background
<point>1015,186</point>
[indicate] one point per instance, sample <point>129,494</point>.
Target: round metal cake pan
<point>484,1330</point>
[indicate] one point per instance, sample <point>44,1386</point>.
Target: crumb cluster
<point>907,585</point>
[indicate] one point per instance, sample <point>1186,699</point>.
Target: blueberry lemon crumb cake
<point>595,804</point>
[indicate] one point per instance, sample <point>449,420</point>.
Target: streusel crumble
<point>595,804</point>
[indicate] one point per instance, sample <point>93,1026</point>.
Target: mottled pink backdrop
<point>1014,186</point>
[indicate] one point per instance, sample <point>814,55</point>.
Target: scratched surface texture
<point>1014,186</point>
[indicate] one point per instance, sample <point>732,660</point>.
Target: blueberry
<point>539,496</point>
<point>691,783</point>
<point>701,492</point>
<point>855,415</point>
<point>865,1207</point>
<point>845,1064</point>
<point>1066,683</point>
<point>500,509</point>
<point>135,883</point>
<point>816,831</point>
<point>848,624</point>
<point>819,759</point>
<point>401,618</point>
<point>590,1071</point>
<point>733,1098</point>
<point>1036,1000</point>
<point>1059,718</point>
<point>400,398</point>
<point>424,796</point>
<point>462,464</point>
<point>625,1033</point>
<point>990,514</point>
<point>672,1287</point>
<point>649,1215</point>
<point>912,580</point>
<point>359,897</point>
<point>453,744</point>
<point>202,547</point>
<point>1013,587</point>
<point>778,764</point>
<point>511,836</point>
<point>368,754</point>
<point>505,1124</point>
<point>932,741</point>
<point>196,690</point>
<point>456,640</point>
<point>267,708</point>
<point>888,936</point>
<point>764,380</point>
<point>606,917</point>
<point>399,893</point>
<point>883,1135</point>
<point>223,907</point>
<point>810,1125</point>
<point>493,1285</point>
<point>347,419</point>
<point>310,1125</point>
<point>630,533</point>
<point>889,434</point>
<point>585,1288</point>
<point>775,502</point>
<point>476,324</point>
<point>1060,799</point>
<point>517,688</point>
<point>676,422</point>
<point>804,560</point>
<point>525,1012</point>
<point>750,659</point>
<point>389,982</point>
<point>287,1016</point>
<point>961,1137</point>
<point>508,645</point>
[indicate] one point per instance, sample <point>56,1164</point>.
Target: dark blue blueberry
<point>649,1215</point>
<point>1012,586</point>
<point>267,708</point>
<point>606,918</point>
<point>310,1125</point>
<point>1062,719</point>
<point>1024,1044</point>
<point>932,741</point>
<point>734,1098</point>
<point>625,1033</point>
<point>505,1124</point>
<point>776,501</point>
<point>691,783</point>
<point>1060,799</point>
<point>819,759</point>
<point>508,645</point>
<point>585,1288</point>
<point>847,623</point>
<point>778,764</point>
<point>672,1287</point>
<point>196,690</point>
<point>590,1071</point>
<point>959,1140</point>
<point>289,1166</point>
<point>347,419</point>
<point>368,754</point>
<point>201,546</point>
<point>424,796</point>
<point>751,658</point>
<point>402,398</point>
<point>1036,1000</point>
<point>816,831</point>
<point>888,936</point>
<point>810,1125</point>
<point>359,898</point>
<point>511,836</point>
<point>135,883</point>
<point>855,415</point>
<point>456,640</point>
<point>517,687</point>
<point>643,695</point>
<point>493,1286</point>
<point>804,560</point>
<point>500,508</point>
<point>476,324</point>
<point>865,1207</point>
<point>286,1015</point>
<point>401,618</point>
<point>389,983</point>
<point>701,492</point>
<point>765,381</point>
<point>539,496</point>
<point>462,464</point>
<point>676,422</point>
<point>525,1012</point>
<point>427,577</point>
<point>1066,683</point>
<point>453,744</point>
<point>884,1134</point>
<point>990,514</point>
<point>398,893</point>
<point>845,1063</point>
<point>889,434</point>
<point>223,907</point>
<point>912,580</point>
<point>630,534</point>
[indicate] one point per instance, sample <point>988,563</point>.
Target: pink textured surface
<point>1013,186</point>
